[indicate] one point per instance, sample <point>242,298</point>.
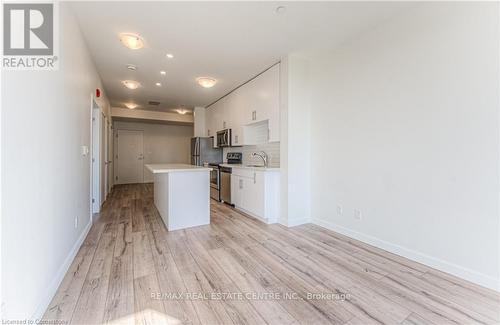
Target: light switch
<point>85,151</point>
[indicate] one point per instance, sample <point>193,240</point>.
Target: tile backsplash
<point>272,149</point>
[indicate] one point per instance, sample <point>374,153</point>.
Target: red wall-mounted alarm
<point>97,92</point>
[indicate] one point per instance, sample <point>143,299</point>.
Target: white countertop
<point>168,168</point>
<point>251,167</point>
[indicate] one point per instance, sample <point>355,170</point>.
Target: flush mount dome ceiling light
<point>158,84</point>
<point>131,84</point>
<point>206,82</point>
<point>131,105</point>
<point>170,56</point>
<point>132,41</point>
<point>181,111</point>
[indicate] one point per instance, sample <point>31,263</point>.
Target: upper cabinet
<point>262,96</point>
<point>225,114</point>
<point>246,108</point>
<point>209,121</point>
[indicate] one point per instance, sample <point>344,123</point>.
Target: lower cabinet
<point>256,192</point>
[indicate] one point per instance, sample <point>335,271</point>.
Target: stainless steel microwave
<point>224,138</point>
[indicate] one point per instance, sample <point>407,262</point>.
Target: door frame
<point>109,156</point>
<point>103,160</point>
<point>93,105</point>
<point>116,165</point>
<point>95,157</point>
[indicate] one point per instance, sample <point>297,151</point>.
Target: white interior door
<point>102,157</point>
<point>110,157</point>
<point>129,158</point>
<point>106,155</point>
<point>96,159</point>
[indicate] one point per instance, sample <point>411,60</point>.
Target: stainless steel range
<point>214,181</point>
<point>225,176</point>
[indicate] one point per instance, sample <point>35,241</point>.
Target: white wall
<point>295,155</point>
<point>45,179</point>
<point>404,127</point>
<point>163,143</point>
<point>148,116</point>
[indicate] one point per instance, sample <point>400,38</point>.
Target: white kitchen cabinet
<point>228,119</point>
<point>262,96</point>
<point>222,114</point>
<point>236,190</point>
<point>237,136</point>
<point>234,107</point>
<point>210,122</point>
<point>256,192</point>
<point>253,103</point>
<point>218,109</point>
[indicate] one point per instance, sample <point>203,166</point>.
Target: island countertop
<point>169,168</point>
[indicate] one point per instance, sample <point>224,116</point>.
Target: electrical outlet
<point>339,210</point>
<point>76,222</point>
<point>357,214</point>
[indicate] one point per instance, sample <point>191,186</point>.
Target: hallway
<point>132,270</point>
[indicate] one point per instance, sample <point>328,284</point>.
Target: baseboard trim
<point>295,222</point>
<point>441,265</point>
<point>56,282</point>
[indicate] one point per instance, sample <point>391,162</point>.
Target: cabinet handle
<point>208,132</point>
<point>235,139</point>
<point>254,177</point>
<point>241,183</point>
<point>224,125</point>
<point>254,115</point>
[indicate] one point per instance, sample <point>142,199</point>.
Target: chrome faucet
<point>262,155</point>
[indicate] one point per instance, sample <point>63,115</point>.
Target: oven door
<point>214,178</point>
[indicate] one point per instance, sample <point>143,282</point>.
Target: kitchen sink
<point>254,166</point>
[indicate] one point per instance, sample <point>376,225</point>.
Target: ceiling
<point>229,41</point>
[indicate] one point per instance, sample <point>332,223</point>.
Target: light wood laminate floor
<point>130,269</point>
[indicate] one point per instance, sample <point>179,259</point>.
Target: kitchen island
<point>182,194</point>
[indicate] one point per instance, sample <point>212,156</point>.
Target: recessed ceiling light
<point>131,67</point>
<point>206,82</point>
<point>181,111</point>
<point>163,73</point>
<point>170,55</point>
<point>132,41</point>
<point>280,10</point>
<point>131,105</point>
<point>131,84</point>
<point>158,84</point>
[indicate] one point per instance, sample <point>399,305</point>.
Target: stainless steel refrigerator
<point>203,151</point>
